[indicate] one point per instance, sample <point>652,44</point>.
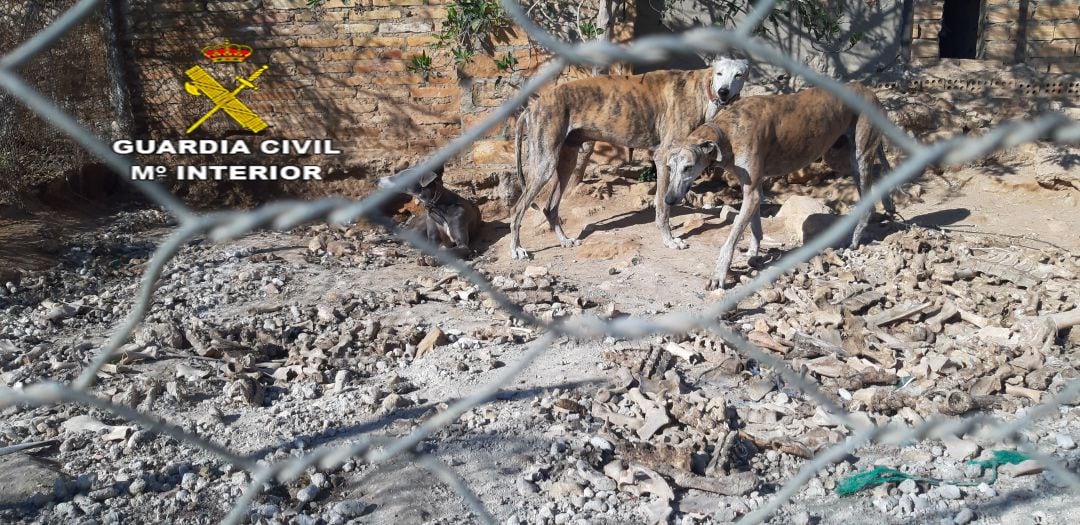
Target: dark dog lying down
<point>448,218</point>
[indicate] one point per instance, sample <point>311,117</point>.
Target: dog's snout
<point>723,93</point>
<point>671,200</point>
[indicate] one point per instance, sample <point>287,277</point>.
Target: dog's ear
<point>707,148</point>
<point>429,177</point>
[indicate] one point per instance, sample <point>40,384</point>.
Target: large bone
<point>1039,331</point>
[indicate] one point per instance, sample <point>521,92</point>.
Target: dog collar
<point>709,92</point>
<point>715,129</point>
<point>434,200</point>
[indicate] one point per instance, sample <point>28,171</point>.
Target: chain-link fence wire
<point>284,215</point>
<point>32,154</point>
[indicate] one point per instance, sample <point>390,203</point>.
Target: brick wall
<point>339,72</point>
<point>1044,35</point>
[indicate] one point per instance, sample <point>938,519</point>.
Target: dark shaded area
<point>959,35</point>
<point>649,21</point>
<point>876,26</point>
<point>941,217</point>
<point>37,160</point>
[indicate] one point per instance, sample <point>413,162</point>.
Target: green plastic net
<point>880,475</point>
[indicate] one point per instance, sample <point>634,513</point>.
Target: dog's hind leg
<point>566,170</point>
<point>543,169</point>
<point>886,200</point>
<point>751,202</point>
<point>663,213</point>
<point>582,163</point>
<point>866,139</point>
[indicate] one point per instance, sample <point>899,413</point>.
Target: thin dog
<point>649,111</point>
<point>448,217</point>
<point>761,137</point>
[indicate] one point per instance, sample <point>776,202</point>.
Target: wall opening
<point>650,21</point>
<point>959,35</point>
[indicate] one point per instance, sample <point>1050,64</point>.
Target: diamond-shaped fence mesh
<point>32,153</point>
<point>24,78</point>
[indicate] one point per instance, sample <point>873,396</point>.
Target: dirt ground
<point>283,342</point>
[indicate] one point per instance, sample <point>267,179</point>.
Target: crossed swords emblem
<point>204,84</point>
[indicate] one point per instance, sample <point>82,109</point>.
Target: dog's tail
<point>518,162</point>
<point>517,147</point>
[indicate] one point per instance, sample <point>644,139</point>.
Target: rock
<point>908,486</point>
<point>963,517</point>
<point>533,272</point>
<point>137,487</point>
<point>804,216</point>
<point>60,312</point>
<point>801,518</point>
<point>268,510</point>
<point>700,503</point>
<point>600,443</point>
<point>906,504</point>
<point>393,401</point>
<point>317,243</point>
<point>1065,441</point>
<point>28,481</point>
<point>66,510</point>
<point>83,423</point>
<point>337,248</point>
<point>564,488</point>
<point>757,389</point>
<point>526,487</point>
<point>994,335</point>
<point>304,519</point>
<point>435,337</point>
<point>307,494</point>
<point>949,492</point>
<point>815,488</point>
<point>350,508</point>
<point>1024,468</point>
<point>960,449</point>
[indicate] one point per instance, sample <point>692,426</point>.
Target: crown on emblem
<point>226,52</point>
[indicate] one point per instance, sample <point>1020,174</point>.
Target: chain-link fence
<point>32,154</point>
<point>226,226</point>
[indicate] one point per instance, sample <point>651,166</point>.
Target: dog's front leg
<point>459,237</point>
<point>755,228</point>
<point>751,200</point>
<point>663,213</point>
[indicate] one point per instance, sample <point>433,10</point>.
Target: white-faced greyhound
<point>648,111</point>
<point>761,137</point>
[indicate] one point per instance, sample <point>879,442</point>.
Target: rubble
<point>276,353</point>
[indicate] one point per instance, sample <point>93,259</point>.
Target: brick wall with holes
<point>1042,34</point>
<point>341,71</point>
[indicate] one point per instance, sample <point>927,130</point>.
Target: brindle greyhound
<point>761,137</point>
<point>649,111</point>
